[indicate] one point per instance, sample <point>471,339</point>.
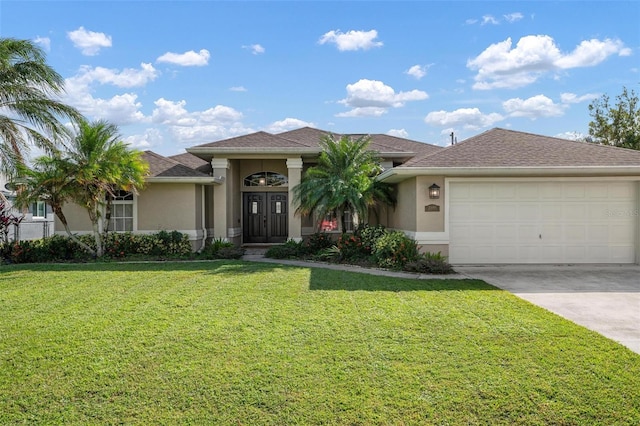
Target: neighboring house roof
<point>500,151</point>
<point>306,141</point>
<point>193,162</point>
<point>163,169</point>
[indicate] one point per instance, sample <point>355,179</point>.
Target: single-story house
<point>499,197</point>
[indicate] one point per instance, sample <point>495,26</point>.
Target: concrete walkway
<point>602,298</point>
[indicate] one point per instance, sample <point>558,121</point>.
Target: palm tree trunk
<point>58,211</point>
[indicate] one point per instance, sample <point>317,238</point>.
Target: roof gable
<point>192,162</point>
<point>508,148</point>
<point>254,140</point>
<point>160,166</point>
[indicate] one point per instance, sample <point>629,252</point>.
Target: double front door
<point>265,217</point>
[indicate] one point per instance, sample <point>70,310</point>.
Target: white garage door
<point>542,222</point>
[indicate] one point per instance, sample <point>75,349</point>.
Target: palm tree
<point>49,179</point>
<point>29,111</point>
<point>343,180</point>
<point>102,164</point>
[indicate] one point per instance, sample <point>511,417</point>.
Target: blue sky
<point>173,74</point>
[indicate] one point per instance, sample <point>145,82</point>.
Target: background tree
<point>29,111</point>
<point>343,180</point>
<point>619,124</point>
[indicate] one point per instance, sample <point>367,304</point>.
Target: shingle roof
<point>507,148</point>
<point>192,162</point>
<point>160,166</point>
<point>254,140</point>
<point>379,142</point>
<point>308,139</point>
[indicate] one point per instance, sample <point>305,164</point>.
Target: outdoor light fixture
<point>434,191</point>
<point>262,181</point>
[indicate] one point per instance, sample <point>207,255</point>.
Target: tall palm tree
<point>343,180</point>
<point>29,110</point>
<point>102,164</point>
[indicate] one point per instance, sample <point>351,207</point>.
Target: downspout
<point>203,220</point>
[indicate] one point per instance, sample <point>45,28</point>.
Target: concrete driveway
<point>605,299</point>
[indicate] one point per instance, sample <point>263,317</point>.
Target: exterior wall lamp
<point>434,191</point>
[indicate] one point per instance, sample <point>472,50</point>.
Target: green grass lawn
<point>250,343</point>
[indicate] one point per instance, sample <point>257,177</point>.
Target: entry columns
<point>294,167</point>
<point>220,167</point>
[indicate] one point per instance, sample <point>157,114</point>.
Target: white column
<point>294,167</point>
<point>220,167</point>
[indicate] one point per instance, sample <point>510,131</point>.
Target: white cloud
<point>89,42</point>
<point>151,137</point>
<point>352,40</point>
<point>418,71</point>
<point>471,21</point>
<point>288,124</point>
<point>195,127</point>
<point>501,66</point>
<point>488,19</point>
<point>363,112</point>
<point>399,133</point>
<point>128,77</point>
<point>513,17</point>
<point>238,89</point>
<point>534,107</point>
<point>45,42</point>
<point>591,52</point>
<point>469,118</point>
<point>186,59</point>
<point>373,98</point>
<point>572,98</point>
<point>573,136</point>
<point>256,49</point>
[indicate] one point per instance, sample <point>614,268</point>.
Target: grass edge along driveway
<point>234,342</point>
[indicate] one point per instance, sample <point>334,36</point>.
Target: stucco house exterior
<point>500,197</point>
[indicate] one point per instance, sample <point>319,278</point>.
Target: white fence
<point>32,230</point>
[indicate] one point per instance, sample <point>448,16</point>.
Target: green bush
<point>394,249</point>
<point>369,235</point>
<point>289,250</point>
<point>59,248</point>
<point>213,250</point>
<point>430,263</point>
<point>229,253</point>
<point>351,248</point>
<point>318,242</point>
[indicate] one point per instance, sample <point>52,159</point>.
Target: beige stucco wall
<point>429,221</point>
<point>404,216</point>
<point>77,218</point>
<point>435,248</point>
<point>168,206</point>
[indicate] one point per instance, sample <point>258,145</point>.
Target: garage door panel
<point>543,222</point>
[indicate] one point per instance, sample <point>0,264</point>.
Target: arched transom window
<point>266,179</point>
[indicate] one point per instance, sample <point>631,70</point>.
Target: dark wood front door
<point>265,217</point>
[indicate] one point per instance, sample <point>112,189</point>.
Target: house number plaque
<point>432,208</point>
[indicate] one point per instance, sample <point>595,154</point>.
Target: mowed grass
<point>250,344</point>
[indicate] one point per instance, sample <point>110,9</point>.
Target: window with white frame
<point>39,209</point>
<point>121,212</point>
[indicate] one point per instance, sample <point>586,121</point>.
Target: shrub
<point>430,263</point>
<point>394,249</point>
<point>318,242</point>
<point>351,248</point>
<point>229,253</point>
<point>289,250</point>
<point>219,248</point>
<point>369,235</point>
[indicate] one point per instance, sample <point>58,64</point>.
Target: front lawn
<point>231,342</point>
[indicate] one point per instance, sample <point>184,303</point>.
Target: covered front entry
<point>265,217</point>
